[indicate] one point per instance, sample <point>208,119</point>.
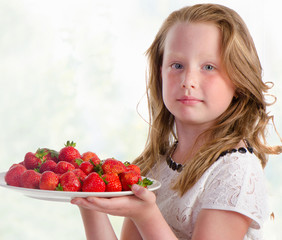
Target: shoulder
<point>236,183</point>
<point>240,170</point>
<point>241,162</point>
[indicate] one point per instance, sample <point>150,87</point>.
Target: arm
<point>95,223</point>
<point>220,225</point>
<point>153,226</point>
<point>150,221</point>
<point>143,218</point>
<point>129,230</point>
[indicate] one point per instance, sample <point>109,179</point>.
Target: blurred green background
<point>75,70</point>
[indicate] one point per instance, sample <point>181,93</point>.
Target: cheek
<point>220,95</point>
<point>165,91</point>
<point>168,92</point>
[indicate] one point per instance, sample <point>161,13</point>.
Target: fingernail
<point>135,187</point>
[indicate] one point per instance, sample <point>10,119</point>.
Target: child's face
<point>196,88</point>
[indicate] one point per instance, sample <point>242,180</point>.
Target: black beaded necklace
<point>179,167</point>
<point>172,164</point>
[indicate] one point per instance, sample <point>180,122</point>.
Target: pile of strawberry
<point>68,170</point>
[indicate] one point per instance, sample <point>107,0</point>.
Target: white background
<point>75,70</point>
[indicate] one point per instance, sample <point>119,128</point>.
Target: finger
<point>143,193</point>
<point>117,206</point>
<point>108,203</point>
<point>82,202</point>
<point>76,201</point>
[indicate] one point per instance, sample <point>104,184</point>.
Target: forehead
<point>204,37</point>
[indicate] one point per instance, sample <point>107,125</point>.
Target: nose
<point>189,80</point>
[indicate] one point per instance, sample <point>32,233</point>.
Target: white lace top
<point>235,182</point>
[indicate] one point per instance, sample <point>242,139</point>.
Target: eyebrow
<point>179,55</point>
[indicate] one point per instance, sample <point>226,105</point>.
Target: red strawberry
<point>93,183</point>
<point>69,153</point>
<point>48,165</point>
<point>16,164</point>
<point>30,179</point>
<point>80,174</point>
<point>133,167</point>
<point>13,175</point>
<point>90,155</point>
<point>69,182</point>
<point>76,162</point>
<point>112,165</point>
<point>95,161</point>
<point>32,161</point>
<point>112,181</point>
<point>128,179</point>
<point>86,167</point>
<point>63,167</point>
<point>49,180</point>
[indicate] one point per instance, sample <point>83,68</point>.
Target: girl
<point>206,143</point>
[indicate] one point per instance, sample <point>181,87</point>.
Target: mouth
<point>189,100</point>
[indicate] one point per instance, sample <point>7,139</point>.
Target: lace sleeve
<point>238,185</point>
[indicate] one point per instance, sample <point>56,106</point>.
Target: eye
<point>177,66</point>
<point>208,67</point>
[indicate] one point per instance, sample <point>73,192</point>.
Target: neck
<point>189,142</point>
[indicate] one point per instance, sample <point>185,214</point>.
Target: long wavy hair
<point>246,116</point>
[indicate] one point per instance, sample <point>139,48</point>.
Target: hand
<point>137,206</point>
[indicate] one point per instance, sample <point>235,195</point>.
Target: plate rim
<point>67,195</point>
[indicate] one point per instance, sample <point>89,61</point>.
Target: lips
<point>189,100</point>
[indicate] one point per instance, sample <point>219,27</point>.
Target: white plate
<point>60,196</point>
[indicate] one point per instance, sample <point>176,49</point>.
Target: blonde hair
<point>245,118</point>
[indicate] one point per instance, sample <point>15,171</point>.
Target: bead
<point>173,166</point>
<point>179,168</point>
<point>250,149</point>
<point>242,150</point>
<point>223,153</point>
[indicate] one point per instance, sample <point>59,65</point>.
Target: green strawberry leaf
<point>78,161</point>
<point>98,168</point>
<point>70,144</point>
<point>41,152</point>
<point>145,182</point>
<point>54,153</point>
<point>59,187</point>
<point>91,162</point>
